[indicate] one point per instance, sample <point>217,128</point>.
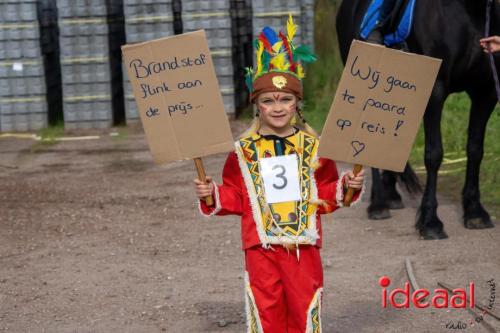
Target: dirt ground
<point>96,238</point>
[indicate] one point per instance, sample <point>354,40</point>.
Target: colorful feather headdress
<point>276,53</point>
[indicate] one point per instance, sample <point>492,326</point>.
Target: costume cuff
<point>341,183</point>
<point>210,210</point>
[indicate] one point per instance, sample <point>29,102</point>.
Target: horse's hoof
<point>378,213</point>
<point>396,204</point>
<point>478,223</point>
<point>432,234</point>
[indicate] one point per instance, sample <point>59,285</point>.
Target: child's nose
<point>278,107</point>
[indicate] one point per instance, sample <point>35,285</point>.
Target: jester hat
<point>278,63</point>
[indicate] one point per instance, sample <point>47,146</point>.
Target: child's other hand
<point>356,182</point>
<point>204,190</point>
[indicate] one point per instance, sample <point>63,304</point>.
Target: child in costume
<point>277,184</point>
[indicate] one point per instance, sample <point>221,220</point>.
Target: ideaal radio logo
<point>440,298</point>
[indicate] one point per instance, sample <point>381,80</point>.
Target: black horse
<point>450,30</point>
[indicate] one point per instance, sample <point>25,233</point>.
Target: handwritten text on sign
<point>178,97</point>
<point>379,104</point>
<point>144,70</point>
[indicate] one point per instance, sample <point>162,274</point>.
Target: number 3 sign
<point>280,175</point>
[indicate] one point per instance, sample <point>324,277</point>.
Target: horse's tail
<point>410,180</point>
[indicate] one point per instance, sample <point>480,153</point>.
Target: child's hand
<point>356,182</point>
<point>204,190</point>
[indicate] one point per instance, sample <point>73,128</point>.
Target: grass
<point>322,76</point>
<point>50,134</point>
<point>120,133</point>
<point>451,179</point>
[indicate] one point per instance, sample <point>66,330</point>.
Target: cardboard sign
<point>178,97</point>
<point>281,178</point>
<point>378,106</point>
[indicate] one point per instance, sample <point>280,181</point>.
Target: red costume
<point>284,277</point>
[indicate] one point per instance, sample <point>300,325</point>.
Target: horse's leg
<point>428,223</point>
<point>379,207</point>
<point>408,178</point>
<point>389,180</point>
<point>475,216</point>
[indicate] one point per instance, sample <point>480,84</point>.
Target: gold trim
<point>254,324</point>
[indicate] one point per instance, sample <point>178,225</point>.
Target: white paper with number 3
<point>280,175</point>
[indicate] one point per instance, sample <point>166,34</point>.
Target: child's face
<point>277,108</point>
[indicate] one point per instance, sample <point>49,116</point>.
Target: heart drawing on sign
<point>358,147</point>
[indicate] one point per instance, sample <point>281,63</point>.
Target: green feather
<point>304,54</point>
<point>249,78</point>
<point>256,44</point>
<point>266,60</point>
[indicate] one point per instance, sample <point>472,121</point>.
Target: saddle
<point>395,27</point>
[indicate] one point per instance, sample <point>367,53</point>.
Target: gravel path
<point>95,238</point>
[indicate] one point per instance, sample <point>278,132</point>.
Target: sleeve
<point>331,187</point>
<point>228,196</point>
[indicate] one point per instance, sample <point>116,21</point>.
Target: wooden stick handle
<point>203,177</point>
<point>350,191</point>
